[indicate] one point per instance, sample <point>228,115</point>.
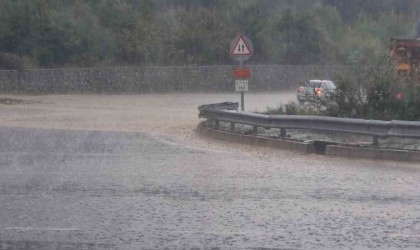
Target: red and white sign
<point>243,73</point>
<point>241,48</point>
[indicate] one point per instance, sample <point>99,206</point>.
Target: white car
<point>314,88</point>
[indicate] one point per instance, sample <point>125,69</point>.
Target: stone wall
<point>157,79</point>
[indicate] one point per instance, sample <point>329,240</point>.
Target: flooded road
<point>150,113</point>
<point>129,172</point>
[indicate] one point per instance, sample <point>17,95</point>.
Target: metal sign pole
<point>242,92</point>
<point>242,100</point>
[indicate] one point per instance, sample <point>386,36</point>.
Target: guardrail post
<point>283,133</point>
<point>232,126</point>
<point>254,130</point>
<point>216,124</point>
<point>375,141</point>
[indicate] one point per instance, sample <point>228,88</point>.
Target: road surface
<point>129,172</point>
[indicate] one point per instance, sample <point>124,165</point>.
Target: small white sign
<point>241,85</point>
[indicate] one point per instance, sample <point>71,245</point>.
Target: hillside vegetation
<point>77,33</point>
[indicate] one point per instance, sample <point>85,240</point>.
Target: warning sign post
<point>241,49</point>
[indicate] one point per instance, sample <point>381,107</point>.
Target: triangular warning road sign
<point>241,48</point>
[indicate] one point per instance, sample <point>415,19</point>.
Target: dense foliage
<point>79,33</point>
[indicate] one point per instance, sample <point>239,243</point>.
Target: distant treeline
<point>88,33</point>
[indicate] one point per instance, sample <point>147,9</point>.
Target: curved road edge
<point>310,147</point>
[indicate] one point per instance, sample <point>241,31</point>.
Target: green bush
<point>395,103</point>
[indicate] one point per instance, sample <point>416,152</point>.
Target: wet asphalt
<point>67,189</point>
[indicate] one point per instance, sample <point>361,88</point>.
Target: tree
<point>31,28</point>
<point>201,37</point>
<point>54,33</point>
<point>294,39</point>
<point>330,27</point>
<point>139,43</point>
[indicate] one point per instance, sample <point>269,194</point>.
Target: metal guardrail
<point>227,112</point>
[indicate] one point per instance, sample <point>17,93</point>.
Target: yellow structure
<point>405,54</point>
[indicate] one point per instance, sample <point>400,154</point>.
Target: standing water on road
<point>129,172</point>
